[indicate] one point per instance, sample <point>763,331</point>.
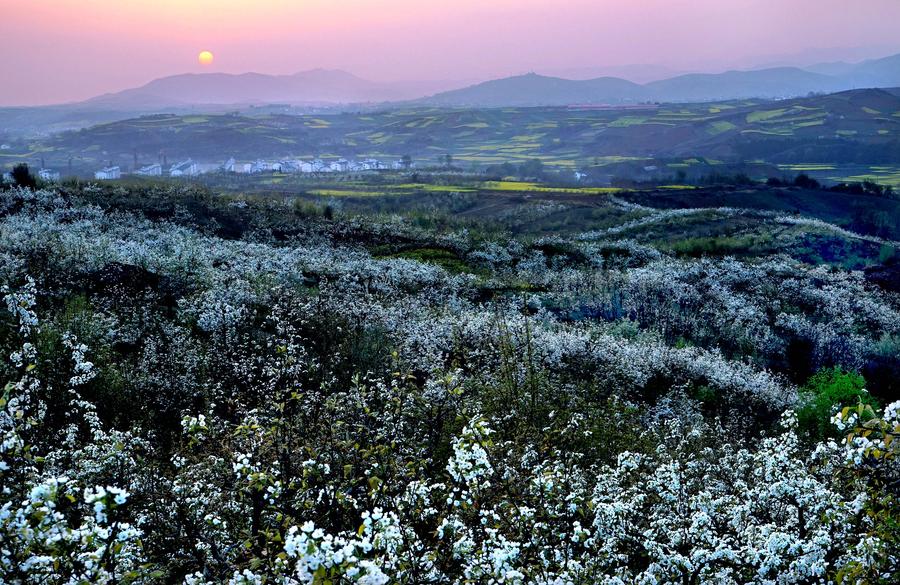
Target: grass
<point>762,116</point>
<point>803,168</point>
<point>627,121</point>
<point>439,257</point>
<point>720,127</point>
<point>435,188</point>
<point>521,186</point>
<point>890,179</point>
<point>752,244</point>
<point>345,193</point>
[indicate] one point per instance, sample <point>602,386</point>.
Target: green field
<point>841,135</point>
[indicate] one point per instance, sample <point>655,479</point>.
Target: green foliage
<point>443,258</point>
<point>22,177</point>
<point>750,244</point>
<point>828,390</point>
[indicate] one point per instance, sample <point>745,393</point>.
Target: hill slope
<point>536,90</point>
<point>855,127</point>
<point>314,86</point>
<point>766,83</point>
<point>777,82</point>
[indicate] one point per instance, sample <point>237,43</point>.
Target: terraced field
<point>859,128</point>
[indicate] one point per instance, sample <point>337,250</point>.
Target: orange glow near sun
<point>205,58</point>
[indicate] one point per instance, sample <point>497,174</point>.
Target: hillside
<point>770,83</point>
<point>314,86</point>
<point>537,90</point>
<point>320,86</point>
<point>859,127</point>
<point>336,90</point>
<point>767,83</point>
<point>232,389</point>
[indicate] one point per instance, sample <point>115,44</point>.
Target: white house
<point>373,164</point>
<point>108,174</point>
<point>48,175</point>
<point>229,165</point>
<point>186,168</point>
<point>154,170</point>
<point>341,165</point>
<point>5,147</point>
<point>204,168</point>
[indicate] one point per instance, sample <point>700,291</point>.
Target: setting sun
<point>205,58</point>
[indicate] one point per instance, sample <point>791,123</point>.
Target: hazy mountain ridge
<point>534,89</point>
<point>335,89</point>
<point>777,82</point>
<point>317,86</point>
<point>322,86</point>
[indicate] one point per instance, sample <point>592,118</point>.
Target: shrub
<point>827,391</point>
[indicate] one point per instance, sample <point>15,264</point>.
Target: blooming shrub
<point>189,404</point>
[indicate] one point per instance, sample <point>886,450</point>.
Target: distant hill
<point>317,86</point>
<point>778,82</point>
<point>215,93</point>
<point>535,90</point>
<point>636,73</point>
<point>321,88</point>
<point>772,83</point>
<point>876,73</point>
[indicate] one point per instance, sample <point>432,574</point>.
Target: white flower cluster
<point>378,419</point>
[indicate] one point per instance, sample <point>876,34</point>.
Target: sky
<point>56,51</point>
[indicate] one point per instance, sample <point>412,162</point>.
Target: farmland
<point>857,129</point>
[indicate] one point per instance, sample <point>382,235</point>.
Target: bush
<point>804,181</point>
<point>827,391</point>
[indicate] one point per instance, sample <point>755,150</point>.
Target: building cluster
<point>49,175</point>
<point>185,168</point>
<point>108,174</point>
<point>190,168</point>
<point>46,175</point>
<point>341,165</point>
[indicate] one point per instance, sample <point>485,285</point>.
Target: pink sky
<point>63,50</point>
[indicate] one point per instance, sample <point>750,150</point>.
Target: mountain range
<point>329,87</point>
<point>323,87</point>
<point>777,82</point>
<point>335,89</point>
<point>314,87</point>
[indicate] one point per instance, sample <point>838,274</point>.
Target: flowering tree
<point>293,401</point>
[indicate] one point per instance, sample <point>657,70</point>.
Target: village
<point>191,168</point>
